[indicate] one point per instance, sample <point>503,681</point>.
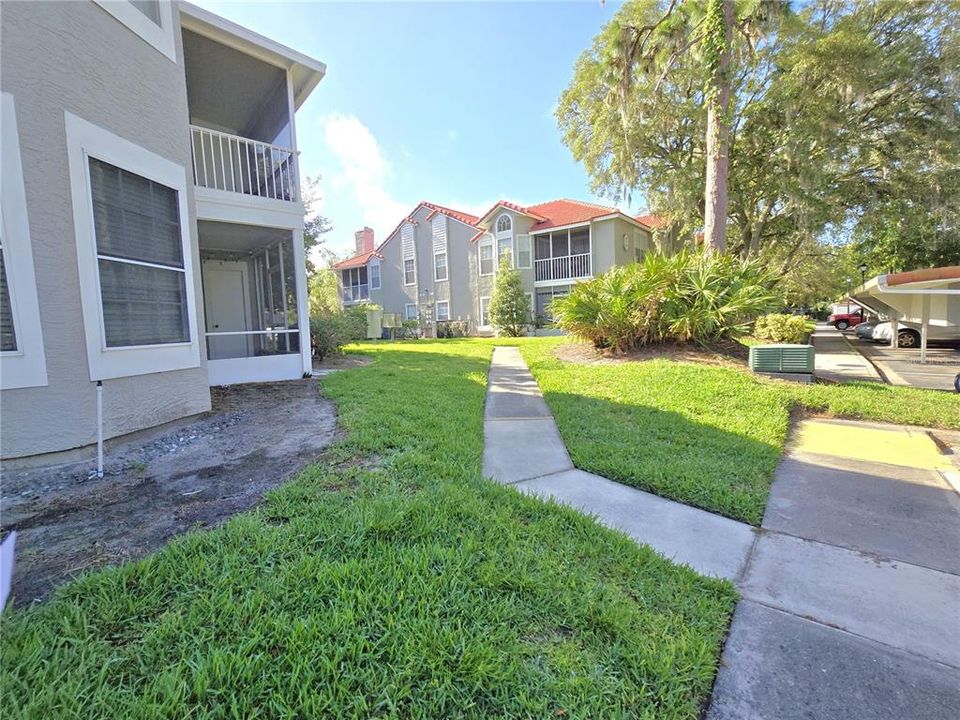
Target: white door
<point>226,308</point>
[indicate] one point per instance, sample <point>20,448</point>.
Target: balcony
<point>564,267</point>
<point>355,293</point>
<point>222,161</point>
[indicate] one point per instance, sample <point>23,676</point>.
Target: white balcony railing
<point>355,293</point>
<point>565,267</point>
<point>236,164</point>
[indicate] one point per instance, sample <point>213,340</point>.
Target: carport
<point>929,297</point>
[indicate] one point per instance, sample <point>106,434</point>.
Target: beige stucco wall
<point>75,56</point>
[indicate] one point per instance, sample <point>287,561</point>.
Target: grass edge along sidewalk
<point>708,436</point>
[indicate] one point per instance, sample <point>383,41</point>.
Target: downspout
<point>99,429</point>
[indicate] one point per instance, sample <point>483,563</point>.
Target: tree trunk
<point>720,17</point>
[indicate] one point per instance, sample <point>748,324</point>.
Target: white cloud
<point>363,173</point>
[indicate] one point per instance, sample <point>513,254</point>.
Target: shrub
<point>451,329</point>
<point>509,305</point>
<point>685,297</point>
<point>331,330</point>
<point>408,330</point>
<point>781,328</point>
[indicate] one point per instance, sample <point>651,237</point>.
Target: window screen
<point>523,251</point>
<point>440,266</point>
<point>8,335</point>
<point>140,257</point>
<point>486,259</point>
<point>374,274</point>
<point>443,310</point>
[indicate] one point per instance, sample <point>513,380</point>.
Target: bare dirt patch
<point>339,362</point>
<point>726,353</point>
<point>255,438</point>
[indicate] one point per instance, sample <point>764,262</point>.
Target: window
<point>152,20</point>
<point>8,333</point>
<point>150,8</point>
<point>486,259</point>
<point>484,312</point>
<point>143,289</point>
<point>638,245</point>
<point>504,224</point>
<point>504,250</point>
<point>374,274</point>
<point>134,255</point>
<point>409,272</point>
<point>410,311</point>
<point>443,311</point>
<point>22,360</point>
<point>523,251</point>
<point>440,267</point>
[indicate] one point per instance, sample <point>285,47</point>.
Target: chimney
<point>364,240</point>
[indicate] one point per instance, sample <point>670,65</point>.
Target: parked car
<point>864,331</point>
<point>844,320</point>
<point>908,333</point>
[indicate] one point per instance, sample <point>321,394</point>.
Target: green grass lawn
<point>392,581</point>
<point>707,436</point>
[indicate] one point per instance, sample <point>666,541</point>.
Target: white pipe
<point>99,428</point>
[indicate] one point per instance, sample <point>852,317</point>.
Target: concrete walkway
<point>837,360</point>
<point>850,590</point>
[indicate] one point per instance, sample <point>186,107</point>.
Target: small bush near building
<point>683,297</point>
<point>510,304</point>
<point>451,329</point>
<point>781,328</point>
<point>329,331</point>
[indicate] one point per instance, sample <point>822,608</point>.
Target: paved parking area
<point>903,367</point>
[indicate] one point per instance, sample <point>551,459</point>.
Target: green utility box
<point>782,359</point>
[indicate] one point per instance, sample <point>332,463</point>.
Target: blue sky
<point>446,102</point>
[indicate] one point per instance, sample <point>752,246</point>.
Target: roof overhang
<point>305,71</point>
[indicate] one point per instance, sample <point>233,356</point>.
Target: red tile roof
<point>356,261</point>
<point>567,212</point>
<point>455,214</point>
<point>651,220</point>
<point>556,213</point>
<point>463,217</point>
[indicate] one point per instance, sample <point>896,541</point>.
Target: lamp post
<point>863,273</point>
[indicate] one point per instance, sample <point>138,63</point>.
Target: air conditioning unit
<point>782,359</point>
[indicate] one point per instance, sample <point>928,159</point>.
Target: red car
<point>842,321</point>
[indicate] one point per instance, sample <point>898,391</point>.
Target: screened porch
<point>250,302</point>
<point>562,255</point>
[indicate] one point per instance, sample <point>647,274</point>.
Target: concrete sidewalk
<point>837,360</point>
<point>522,446</point>
<point>850,590</point>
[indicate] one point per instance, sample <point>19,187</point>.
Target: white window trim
<point>529,253</point>
<point>496,225</point>
<point>403,270</point>
<point>85,140</point>
<point>160,36</point>
<point>445,303</point>
<point>480,315</point>
<point>374,262</point>
<point>486,242</point>
<point>406,311</point>
<point>27,365</point>
<point>446,266</point>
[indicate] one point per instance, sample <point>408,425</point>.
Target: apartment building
<point>152,223</point>
<point>441,264</point>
